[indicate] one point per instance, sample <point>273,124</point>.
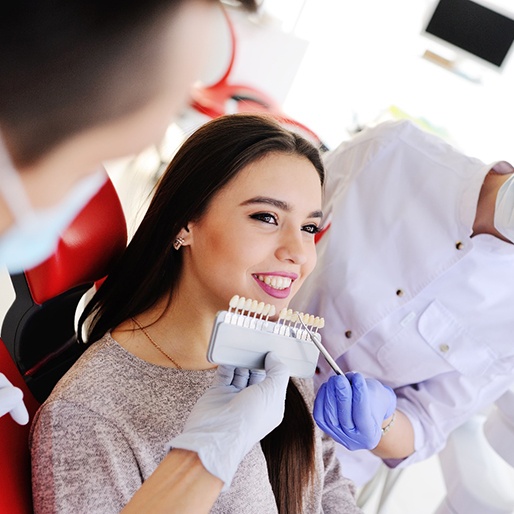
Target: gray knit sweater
<point>104,430</point>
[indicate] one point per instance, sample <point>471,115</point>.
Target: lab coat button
<point>348,334</point>
<point>399,292</point>
<point>459,245</point>
<point>444,347</point>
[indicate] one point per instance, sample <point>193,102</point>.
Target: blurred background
<point>336,66</point>
<point>362,58</point>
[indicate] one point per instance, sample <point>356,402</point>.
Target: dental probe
<point>320,347</point>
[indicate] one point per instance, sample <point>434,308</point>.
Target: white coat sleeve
<point>439,405</point>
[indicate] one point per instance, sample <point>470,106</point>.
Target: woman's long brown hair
<point>149,269</point>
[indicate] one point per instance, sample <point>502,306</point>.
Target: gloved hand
<point>237,411</point>
<point>351,409</point>
<point>11,401</point>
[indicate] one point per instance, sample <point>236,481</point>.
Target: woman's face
<point>257,237</point>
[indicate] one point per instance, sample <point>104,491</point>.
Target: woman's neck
<point>178,329</point>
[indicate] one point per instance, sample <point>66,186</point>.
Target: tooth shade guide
<point>233,302</point>
<point>241,346</point>
<point>245,333</point>
<point>241,303</point>
<point>249,313</point>
<point>259,309</point>
<point>311,323</point>
<point>280,321</point>
<point>248,305</point>
<point>232,306</point>
<point>246,312</point>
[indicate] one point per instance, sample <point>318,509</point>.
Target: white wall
<point>365,56</point>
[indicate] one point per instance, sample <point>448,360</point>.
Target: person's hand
<point>351,409</point>
<point>11,401</point>
<point>239,409</point>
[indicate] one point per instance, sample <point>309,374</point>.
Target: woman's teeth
<point>275,282</point>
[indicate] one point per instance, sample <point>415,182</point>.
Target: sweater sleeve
<point>81,463</point>
<point>338,491</point>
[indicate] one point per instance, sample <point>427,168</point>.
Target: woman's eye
<point>265,217</point>
<point>311,229</point>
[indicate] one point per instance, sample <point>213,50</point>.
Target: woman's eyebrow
<point>279,204</point>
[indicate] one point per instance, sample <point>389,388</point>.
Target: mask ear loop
<point>11,186</point>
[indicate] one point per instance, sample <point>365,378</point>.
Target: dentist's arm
<point>360,413</point>
<point>239,410</point>
<point>398,442</point>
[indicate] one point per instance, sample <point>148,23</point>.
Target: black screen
<point>474,28</point>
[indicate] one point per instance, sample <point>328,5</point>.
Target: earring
<point>178,243</point>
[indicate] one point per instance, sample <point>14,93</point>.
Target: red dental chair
<point>223,96</point>
<point>38,340</point>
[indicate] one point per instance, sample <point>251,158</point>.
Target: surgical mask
<point>504,210</point>
<point>35,233</point>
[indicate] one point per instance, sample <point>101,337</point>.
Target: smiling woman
<point>235,213</point>
<point>274,248</point>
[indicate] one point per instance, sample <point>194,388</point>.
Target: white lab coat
<point>407,295</point>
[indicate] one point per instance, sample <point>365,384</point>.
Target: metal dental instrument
<point>320,347</point>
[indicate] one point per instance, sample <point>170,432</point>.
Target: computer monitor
<point>472,29</point>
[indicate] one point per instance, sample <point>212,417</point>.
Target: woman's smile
<point>277,285</point>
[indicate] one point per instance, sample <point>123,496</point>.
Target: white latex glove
<point>237,411</point>
<point>11,401</point>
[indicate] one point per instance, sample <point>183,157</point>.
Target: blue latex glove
<point>11,401</point>
<point>351,409</point>
<point>237,411</point>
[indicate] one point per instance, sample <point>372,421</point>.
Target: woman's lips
<point>277,286</point>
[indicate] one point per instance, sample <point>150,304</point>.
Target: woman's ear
<point>187,233</point>
<point>183,238</point>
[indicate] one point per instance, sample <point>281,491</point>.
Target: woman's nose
<point>292,247</point>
